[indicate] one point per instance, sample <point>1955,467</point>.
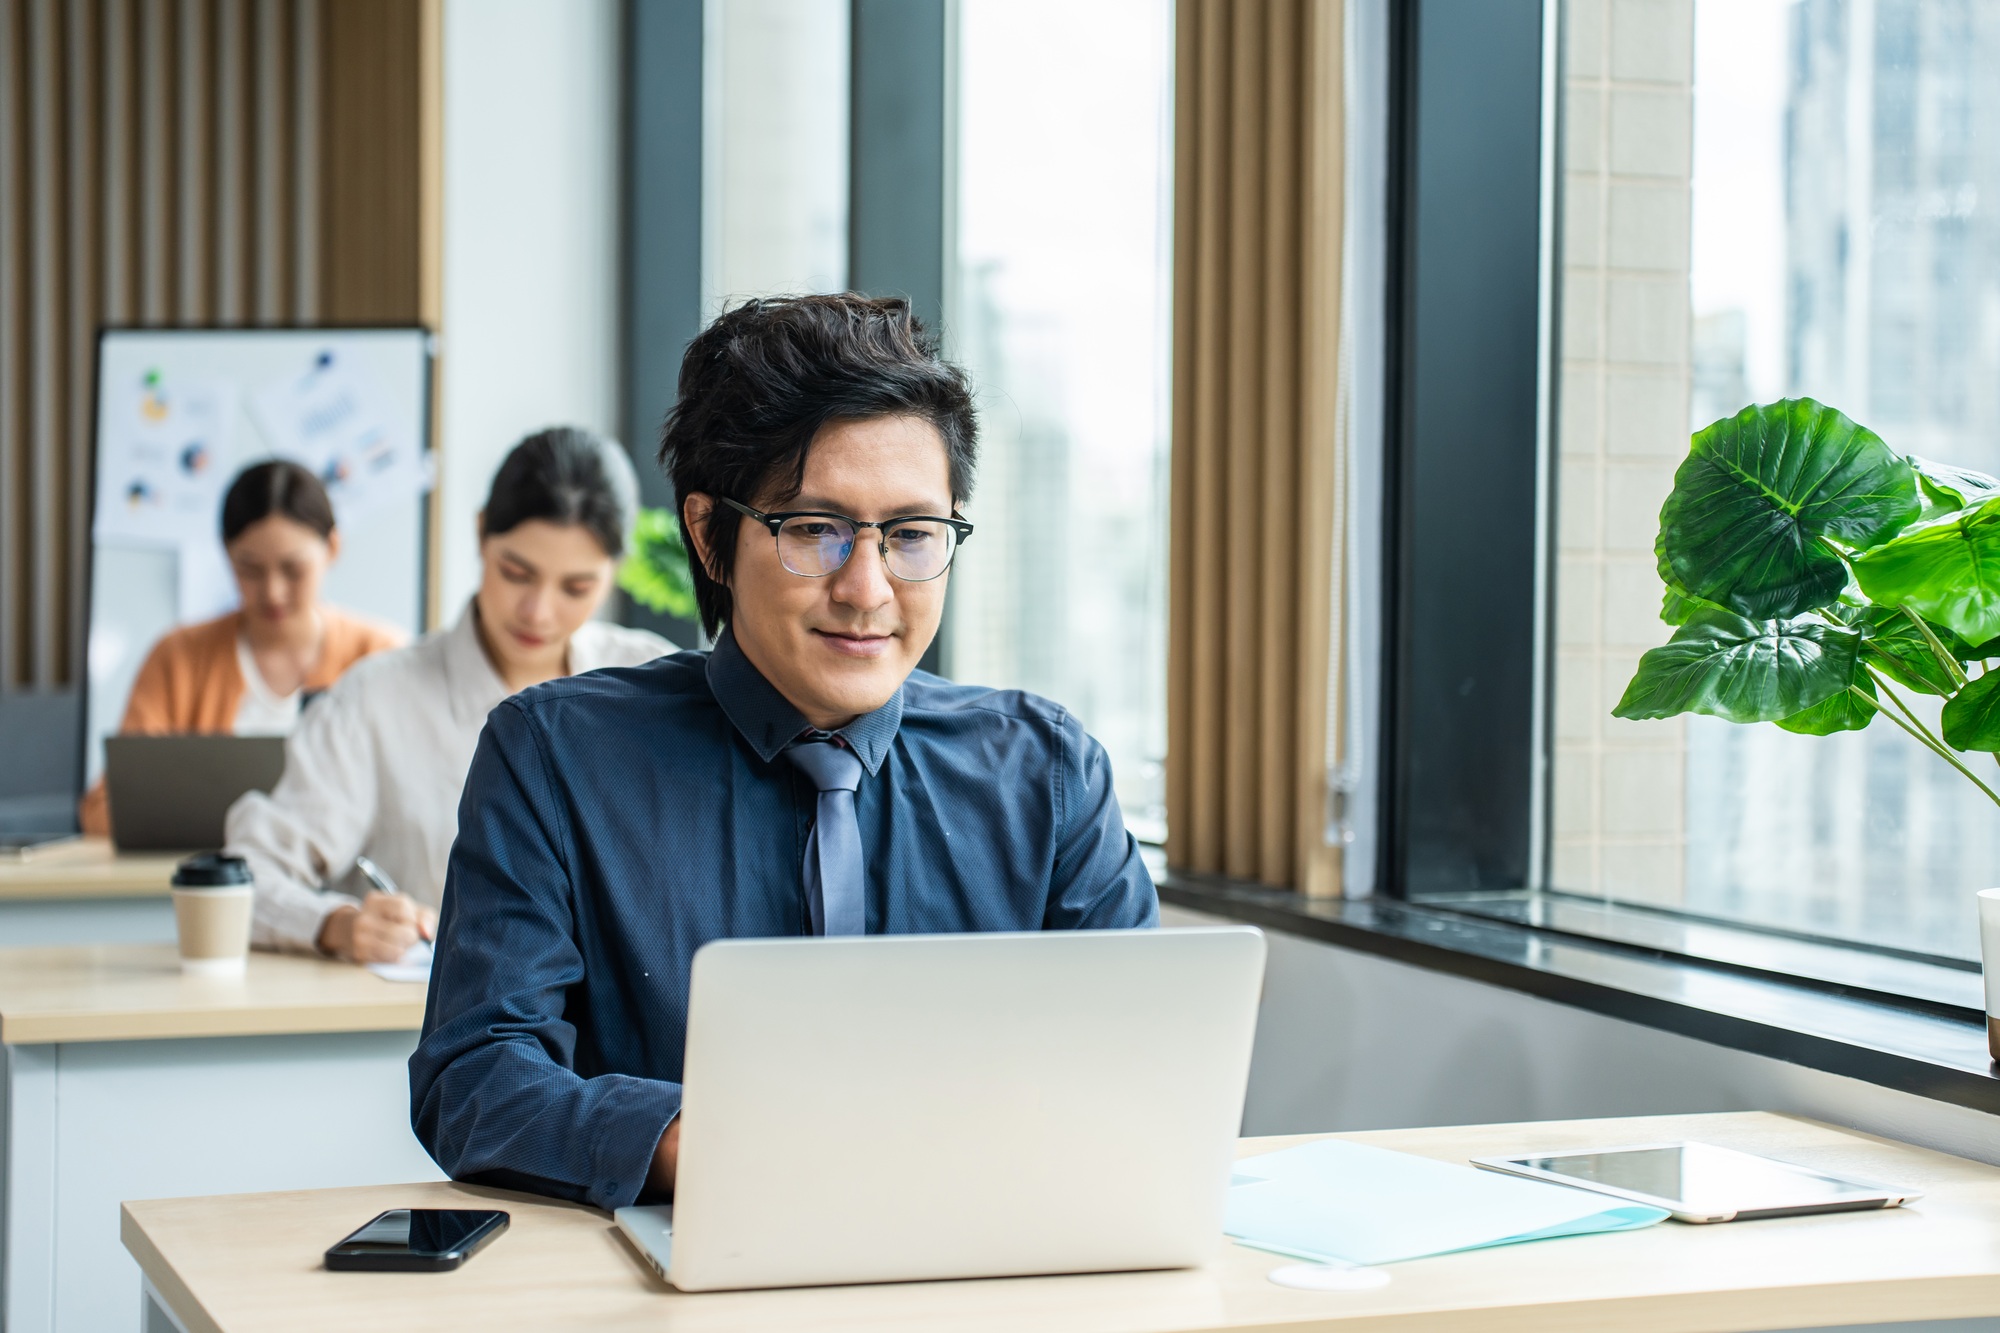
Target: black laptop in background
<point>170,793</point>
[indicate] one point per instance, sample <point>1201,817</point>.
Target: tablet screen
<point>1704,1178</point>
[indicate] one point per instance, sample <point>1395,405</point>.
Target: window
<point>1059,311</point>
<point>1764,199</point>
<point>777,160</point>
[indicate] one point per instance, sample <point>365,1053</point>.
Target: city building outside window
<point>1764,199</point>
<point>1060,313</point>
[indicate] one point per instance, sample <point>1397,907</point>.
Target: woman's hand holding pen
<point>383,928</point>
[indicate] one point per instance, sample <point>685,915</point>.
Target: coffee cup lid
<point>211,870</point>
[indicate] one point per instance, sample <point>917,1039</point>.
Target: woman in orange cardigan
<point>247,673</point>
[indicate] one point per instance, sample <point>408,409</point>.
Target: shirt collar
<point>475,687</point>
<point>768,720</point>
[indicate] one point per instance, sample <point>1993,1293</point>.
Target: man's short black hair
<point>757,385</point>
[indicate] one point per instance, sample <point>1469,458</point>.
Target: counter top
<point>125,992</point>
<point>251,1262</point>
<point>86,868</point>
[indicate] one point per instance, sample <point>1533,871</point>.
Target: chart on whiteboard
<point>182,413</point>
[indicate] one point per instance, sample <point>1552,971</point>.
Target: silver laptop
<point>904,1107</point>
<point>170,793</point>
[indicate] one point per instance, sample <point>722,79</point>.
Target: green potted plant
<point>655,574</point>
<point>1813,576</point>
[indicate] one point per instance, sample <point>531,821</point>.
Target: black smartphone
<point>417,1240</point>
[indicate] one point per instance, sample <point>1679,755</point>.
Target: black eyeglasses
<point>916,548</point>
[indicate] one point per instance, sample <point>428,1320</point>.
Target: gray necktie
<point>835,878</point>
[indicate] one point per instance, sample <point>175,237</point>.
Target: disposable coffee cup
<point>1989,958</point>
<point>212,901</point>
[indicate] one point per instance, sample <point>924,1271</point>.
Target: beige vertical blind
<point>1256,313</point>
<point>185,163</point>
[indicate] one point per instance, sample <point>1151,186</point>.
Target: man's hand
<point>666,1158</point>
<point>378,931</point>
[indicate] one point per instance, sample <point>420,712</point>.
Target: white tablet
<point>1699,1182</point>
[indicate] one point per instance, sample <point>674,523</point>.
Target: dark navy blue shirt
<point>615,822</point>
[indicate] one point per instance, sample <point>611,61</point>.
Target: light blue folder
<point>1337,1202</point>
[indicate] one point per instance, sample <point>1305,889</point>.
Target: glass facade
<point>776,161</point>
<point>1766,199</point>
<point>1060,312</point>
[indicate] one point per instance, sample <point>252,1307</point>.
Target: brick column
<point>1619,807</point>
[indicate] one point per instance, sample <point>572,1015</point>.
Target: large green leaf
<point>1844,711</point>
<point>1894,645</point>
<point>1759,490</point>
<point>1972,716</point>
<point>1946,570</point>
<point>1744,670</point>
<point>1677,604</point>
<point>1948,489</point>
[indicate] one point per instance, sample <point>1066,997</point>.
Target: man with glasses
<point>798,779</point>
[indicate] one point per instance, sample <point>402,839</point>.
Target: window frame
<point>1463,744</point>
<point>1473,291</point>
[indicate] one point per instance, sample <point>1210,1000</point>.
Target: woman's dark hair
<point>759,383</point>
<point>279,488</point>
<point>565,474</point>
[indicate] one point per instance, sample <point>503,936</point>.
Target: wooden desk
<point>121,992</point>
<point>88,867</point>
<point>83,892</point>
<point>124,1078</point>
<point>246,1265</point>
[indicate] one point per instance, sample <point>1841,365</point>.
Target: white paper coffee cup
<point>214,929</point>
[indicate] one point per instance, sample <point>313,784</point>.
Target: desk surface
<point>122,992</point>
<point>252,1262</point>
<point>86,868</point>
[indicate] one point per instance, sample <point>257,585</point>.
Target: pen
<point>380,879</point>
<point>376,876</point>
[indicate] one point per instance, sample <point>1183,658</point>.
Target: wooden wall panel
<point>188,163</point>
<point>83,132</point>
<point>304,152</point>
<point>13,337</point>
<point>45,471</point>
<point>14,375</point>
<point>371,204</point>
<point>204,69</point>
<point>1257,253</point>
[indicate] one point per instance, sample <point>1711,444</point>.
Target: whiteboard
<point>180,412</point>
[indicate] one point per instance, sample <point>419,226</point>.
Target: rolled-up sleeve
<point>1100,882</point>
<point>494,1093</point>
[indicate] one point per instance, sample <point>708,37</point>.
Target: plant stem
<point>1939,751</point>
<point>1949,662</point>
<point>1921,732</point>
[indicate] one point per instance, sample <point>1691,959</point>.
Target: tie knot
<point>831,767</point>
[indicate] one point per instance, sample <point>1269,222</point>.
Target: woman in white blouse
<point>376,766</point>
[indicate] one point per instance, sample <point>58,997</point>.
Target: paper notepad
<point>414,965</point>
<point>1337,1202</point>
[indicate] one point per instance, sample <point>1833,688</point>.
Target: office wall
<point>175,163</point>
<point>531,206</point>
<point>1349,1041</point>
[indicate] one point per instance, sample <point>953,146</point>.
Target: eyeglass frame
<point>961,530</point>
